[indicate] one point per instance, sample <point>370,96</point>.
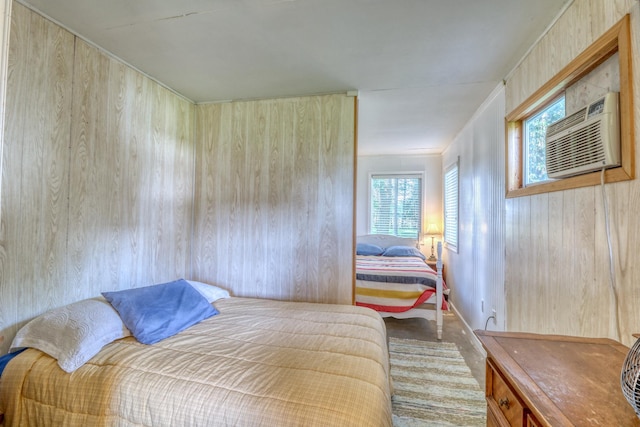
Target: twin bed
<point>393,279</point>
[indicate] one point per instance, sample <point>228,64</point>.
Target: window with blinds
<point>451,206</point>
<point>396,205</point>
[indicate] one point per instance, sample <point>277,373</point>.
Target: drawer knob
<point>504,402</point>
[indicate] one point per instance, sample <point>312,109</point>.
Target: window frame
<point>397,175</point>
<point>616,39</point>
<point>450,244</point>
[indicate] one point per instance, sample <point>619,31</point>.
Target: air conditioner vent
<point>585,141</point>
<point>567,122</point>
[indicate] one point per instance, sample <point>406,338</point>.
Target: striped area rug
<point>433,386</point>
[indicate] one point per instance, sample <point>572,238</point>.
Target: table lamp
<point>432,230</point>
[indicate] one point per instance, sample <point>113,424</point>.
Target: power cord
<point>487,322</point>
<point>612,272</point>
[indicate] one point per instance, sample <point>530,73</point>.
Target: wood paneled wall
<point>475,273</point>
<point>5,28</point>
<point>97,178</point>
<point>99,173</point>
<point>274,198</point>
<point>131,176</point>
<point>557,268</point>
<point>35,181</point>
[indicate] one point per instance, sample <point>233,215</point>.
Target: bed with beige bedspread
<point>257,363</point>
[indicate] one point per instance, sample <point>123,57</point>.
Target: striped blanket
<point>395,284</point>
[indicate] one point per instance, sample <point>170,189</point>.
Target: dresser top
<point>564,380</point>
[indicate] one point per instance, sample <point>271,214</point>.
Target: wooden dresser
<point>549,380</point>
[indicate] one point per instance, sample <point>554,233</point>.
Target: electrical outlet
<point>495,316</point>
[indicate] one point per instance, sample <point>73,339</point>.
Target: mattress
<point>395,284</point>
<point>257,363</point>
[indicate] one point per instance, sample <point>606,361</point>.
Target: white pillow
<point>73,334</point>
<point>210,292</point>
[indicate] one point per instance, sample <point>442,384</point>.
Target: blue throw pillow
<point>153,313</point>
<point>368,249</point>
<point>402,251</point>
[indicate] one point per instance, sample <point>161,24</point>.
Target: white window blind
<point>396,205</point>
<point>451,206</point>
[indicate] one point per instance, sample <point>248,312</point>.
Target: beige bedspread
<point>258,362</point>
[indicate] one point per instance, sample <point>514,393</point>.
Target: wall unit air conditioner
<point>585,141</point>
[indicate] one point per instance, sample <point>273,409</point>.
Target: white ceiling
<point>421,67</point>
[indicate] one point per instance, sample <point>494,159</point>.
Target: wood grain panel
<point>524,280</point>
<point>86,259</point>
<point>278,195</point>
<point>180,117</point>
<point>586,286</point>
<point>576,19</point>
<point>568,267</point>
<point>97,175</point>
<point>556,232</point>
<point>5,29</point>
<point>539,250</point>
<point>45,181</point>
<point>610,12</point>
<point>342,168</point>
<point>274,191</point>
<point>11,246</point>
<point>576,299</point>
<point>158,234</point>
<point>36,164</point>
<point>131,177</point>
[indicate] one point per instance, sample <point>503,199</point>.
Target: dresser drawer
<point>492,420</point>
<point>502,399</point>
<point>532,422</point>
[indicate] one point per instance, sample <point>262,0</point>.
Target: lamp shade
<point>433,230</point>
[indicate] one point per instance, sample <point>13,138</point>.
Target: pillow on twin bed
<point>396,251</point>
<point>153,313</point>
<point>72,334</point>
<point>210,292</point>
<point>368,249</point>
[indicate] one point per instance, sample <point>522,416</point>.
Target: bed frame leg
<point>439,292</point>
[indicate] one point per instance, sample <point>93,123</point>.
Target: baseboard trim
<point>474,340</point>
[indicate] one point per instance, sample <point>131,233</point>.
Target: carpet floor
<point>433,386</point>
